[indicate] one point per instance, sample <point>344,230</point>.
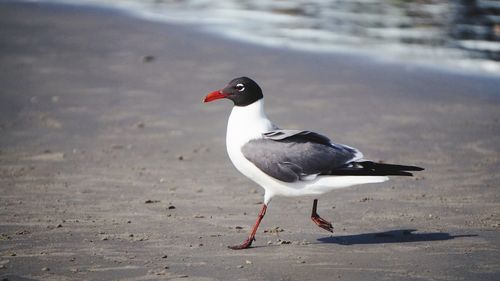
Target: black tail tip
<point>414,168</point>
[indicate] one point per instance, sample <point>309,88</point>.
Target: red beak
<point>214,96</point>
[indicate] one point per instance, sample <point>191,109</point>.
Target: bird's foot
<point>326,225</point>
<point>245,244</point>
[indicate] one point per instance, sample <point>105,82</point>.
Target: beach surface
<point>112,168</point>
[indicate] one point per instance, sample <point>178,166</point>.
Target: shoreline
<point>112,168</point>
<point>466,66</point>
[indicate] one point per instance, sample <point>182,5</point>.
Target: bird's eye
<point>240,87</point>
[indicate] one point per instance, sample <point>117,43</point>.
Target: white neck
<point>254,110</point>
<point>247,122</point>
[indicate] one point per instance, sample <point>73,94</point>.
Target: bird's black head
<point>242,91</point>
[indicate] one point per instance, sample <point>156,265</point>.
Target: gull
<point>290,162</point>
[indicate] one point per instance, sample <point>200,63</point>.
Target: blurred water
<point>462,34</point>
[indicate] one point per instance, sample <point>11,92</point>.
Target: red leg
<point>251,237</point>
<point>319,220</point>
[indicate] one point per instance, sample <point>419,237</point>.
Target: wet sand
<point>112,168</point>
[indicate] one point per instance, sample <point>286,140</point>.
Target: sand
<point>111,167</point>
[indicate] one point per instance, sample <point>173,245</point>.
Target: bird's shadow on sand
<point>393,236</point>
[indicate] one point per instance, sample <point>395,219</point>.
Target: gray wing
<point>292,155</point>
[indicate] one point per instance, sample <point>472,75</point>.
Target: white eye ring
<point>240,87</point>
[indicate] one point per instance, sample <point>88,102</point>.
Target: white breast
<point>245,123</point>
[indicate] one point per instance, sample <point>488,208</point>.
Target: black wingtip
<point>369,168</point>
<point>389,167</point>
<point>364,172</point>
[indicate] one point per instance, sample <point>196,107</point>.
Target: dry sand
<point>112,168</point>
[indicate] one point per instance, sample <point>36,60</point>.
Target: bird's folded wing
<point>293,155</point>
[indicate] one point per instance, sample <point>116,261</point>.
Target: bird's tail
<point>369,168</point>
<point>326,183</point>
